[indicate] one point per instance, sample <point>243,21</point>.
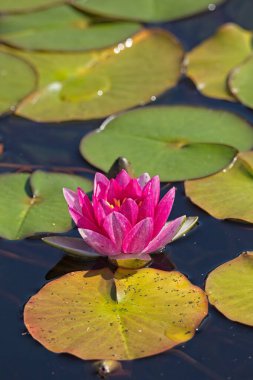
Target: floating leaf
<point>210,63</point>
<point>186,142</point>
<point>145,10</point>
<point>15,6</point>
<point>62,28</point>
<point>98,83</point>
<point>136,314</point>
<point>31,204</point>
<point>17,80</point>
<point>228,194</point>
<point>229,288</point>
<point>240,82</point>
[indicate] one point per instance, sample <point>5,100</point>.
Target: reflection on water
<point>221,349</point>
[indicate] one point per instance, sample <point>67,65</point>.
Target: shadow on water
<point>221,349</point>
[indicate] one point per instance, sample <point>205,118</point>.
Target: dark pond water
<point>221,349</point>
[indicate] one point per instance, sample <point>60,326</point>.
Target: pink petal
<point>98,242</point>
<point>81,221</point>
<point>138,237</point>
<point>123,178</point>
<point>101,185</point>
<point>146,208</point>
<point>165,235</point>
<point>114,191</point>
<point>133,190</point>
<point>152,189</point>
<point>101,209</point>
<point>85,204</point>
<point>130,209</point>
<point>72,200</point>
<point>163,210</point>
<point>116,226</point>
<point>143,179</point>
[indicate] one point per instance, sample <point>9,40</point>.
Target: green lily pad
<point>133,314</point>
<point>186,142</point>
<point>228,194</point>
<point>145,10</point>
<point>229,288</point>
<point>92,85</point>
<point>17,79</point>
<point>15,6</point>
<point>209,64</point>
<point>32,204</point>
<point>62,29</point>
<point>240,82</point>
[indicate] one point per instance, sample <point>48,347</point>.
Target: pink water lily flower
<point>125,215</point>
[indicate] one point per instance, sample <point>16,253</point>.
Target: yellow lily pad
<point>132,314</point>
<point>62,28</point>
<point>240,82</point>
<point>209,64</point>
<point>17,79</point>
<point>96,84</point>
<point>228,194</point>
<point>229,288</point>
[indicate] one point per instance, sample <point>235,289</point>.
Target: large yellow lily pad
<point>99,83</point>
<point>132,315</point>
<point>62,28</point>
<point>229,288</point>
<point>209,64</point>
<point>17,79</point>
<point>228,194</point>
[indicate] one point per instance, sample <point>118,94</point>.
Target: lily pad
<point>240,82</point>
<point>228,194</point>
<point>15,6</point>
<point>62,28</point>
<point>145,10</point>
<point>17,79</point>
<point>32,204</point>
<point>209,64</point>
<point>229,288</point>
<point>186,142</point>
<point>132,315</point>
<point>80,86</point>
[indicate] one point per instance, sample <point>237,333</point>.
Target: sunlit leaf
<point>62,28</point>
<point>99,83</point>
<point>228,194</point>
<point>136,314</point>
<point>176,142</point>
<point>229,288</point>
<point>145,10</point>
<point>241,83</point>
<point>210,63</point>
<point>13,6</point>
<point>17,79</point>
<point>31,204</point>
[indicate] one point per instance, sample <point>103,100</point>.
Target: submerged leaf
<point>132,315</point>
<point>31,204</point>
<point>61,29</point>
<point>229,288</point>
<point>17,79</point>
<point>228,194</point>
<point>187,142</point>
<point>210,63</point>
<point>145,10</point>
<point>99,83</point>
